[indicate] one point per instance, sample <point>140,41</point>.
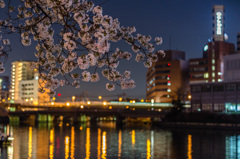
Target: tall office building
<point>25,84</point>
<point>166,76</point>
<point>209,68</point>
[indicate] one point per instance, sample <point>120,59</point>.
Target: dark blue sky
<point>187,22</point>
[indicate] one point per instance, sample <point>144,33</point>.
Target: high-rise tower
<point>20,71</point>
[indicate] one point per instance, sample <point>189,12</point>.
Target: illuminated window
<point>13,79</point>
<point>213,68</point>
<point>213,80</point>
<point>213,74</point>
<point>219,80</point>
<point>213,61</point>
<point>219,73</point>
<point>169,84</point>
<point>13,65</point>
<point>169,90</point>
<point>205,75</point>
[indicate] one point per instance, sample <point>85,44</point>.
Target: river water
<point>106,140</point>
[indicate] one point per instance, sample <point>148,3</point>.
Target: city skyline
<point>188,20</point>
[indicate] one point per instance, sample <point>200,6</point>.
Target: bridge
<point>83,111</point>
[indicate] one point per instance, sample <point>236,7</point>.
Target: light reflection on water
<point>105,140</point>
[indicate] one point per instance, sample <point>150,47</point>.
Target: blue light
<point>205,48</point>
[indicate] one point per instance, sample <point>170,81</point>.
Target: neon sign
<point>219,23</point>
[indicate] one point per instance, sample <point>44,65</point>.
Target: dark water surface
<point>106,140</point>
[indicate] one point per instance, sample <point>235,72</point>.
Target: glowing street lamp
<point>73,98</point>
<point>88,102</point>
<point>104,103</point>
<point>100,97</point>
<point>68,104</point>
<point>189,97</point>
<point>120,99</point>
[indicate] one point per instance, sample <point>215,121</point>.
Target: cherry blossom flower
<point>73,39</point>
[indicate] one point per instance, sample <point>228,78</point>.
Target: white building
<point>231,68</point>
<point>25,84</point>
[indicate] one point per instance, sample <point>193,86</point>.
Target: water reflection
<point>51,146</point>
<point>66,147</point>
<point>72,142</point>
<point>99,144</point>
<point>189,152</point>
<point>104,145</point>
<point>30,143</point>
<point>88,143</point>
<point>105,141</point>
<point>119,143</point>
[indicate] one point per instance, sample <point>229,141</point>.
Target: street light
<point>120,99</point>
<point>104,103</point>
<point>73,98</point>
<point>68,104</point>
<point>100,97</point>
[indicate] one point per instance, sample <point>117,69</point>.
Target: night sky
<point>188,23</point>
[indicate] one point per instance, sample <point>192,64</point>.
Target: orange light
<point>120,99</point>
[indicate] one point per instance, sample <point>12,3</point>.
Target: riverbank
<point>201,120</point>
<point>197,125</point>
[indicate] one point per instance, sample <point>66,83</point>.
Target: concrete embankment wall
<point>199,125</point>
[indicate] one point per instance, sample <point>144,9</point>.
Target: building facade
<point>232,68</point>
<point>25,84</point>
<point>216,97</point>
<point>209,68</point>
<point>166,76</point>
